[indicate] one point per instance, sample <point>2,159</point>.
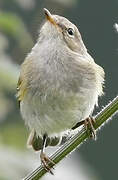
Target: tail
<point>36,142</point>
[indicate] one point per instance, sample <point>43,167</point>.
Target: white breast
<point>61,93</point>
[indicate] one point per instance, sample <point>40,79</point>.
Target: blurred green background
<point>19,24</point>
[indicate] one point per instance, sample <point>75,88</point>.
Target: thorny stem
<point>76,140</point>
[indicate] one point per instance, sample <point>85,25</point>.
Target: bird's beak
<point>49,17</point>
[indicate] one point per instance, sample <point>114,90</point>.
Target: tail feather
<point>36,142</point>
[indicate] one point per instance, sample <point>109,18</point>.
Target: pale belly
<point>56,114</point>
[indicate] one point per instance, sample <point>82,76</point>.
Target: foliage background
<point>19,24</point>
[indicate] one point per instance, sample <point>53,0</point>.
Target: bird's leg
<point>78,124</point>
<point>88,123</point>
<point>44,158</point>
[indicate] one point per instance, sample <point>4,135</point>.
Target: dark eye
<point>70,31</point>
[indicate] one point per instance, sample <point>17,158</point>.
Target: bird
<point>59,85</point>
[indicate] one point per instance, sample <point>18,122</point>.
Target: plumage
<point>59,82</point>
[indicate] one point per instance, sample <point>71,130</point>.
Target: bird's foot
<point>89,125</point>
<point>45,160</point>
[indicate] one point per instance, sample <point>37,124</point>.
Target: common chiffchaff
<point>59,83</point>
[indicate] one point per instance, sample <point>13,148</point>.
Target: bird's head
<point>59,29</point>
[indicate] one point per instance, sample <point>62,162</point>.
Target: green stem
<point>76,140</point>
